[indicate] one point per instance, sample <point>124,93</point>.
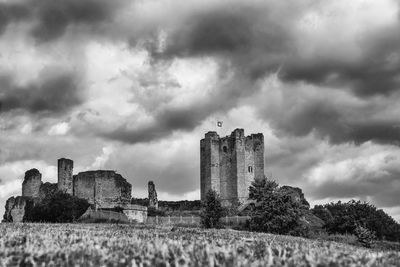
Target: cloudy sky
<point>134,85</point>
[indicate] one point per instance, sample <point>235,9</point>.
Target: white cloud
<point>59,129</point>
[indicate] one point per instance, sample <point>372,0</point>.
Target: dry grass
<point>128,245</point>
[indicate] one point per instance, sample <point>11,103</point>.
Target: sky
<point>133,86</point>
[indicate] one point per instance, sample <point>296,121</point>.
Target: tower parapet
<point>31,184</point>
<point>65,179</point>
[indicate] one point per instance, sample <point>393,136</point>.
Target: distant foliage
<point>343,218</point>
<point>274,211</point>
<point>58,207</point>
<point>172,208</point>
<point>212,210</point>
<point>152,211</point>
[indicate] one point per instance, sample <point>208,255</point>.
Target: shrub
<point>58,207</point>
<point>152,211</point>
<point>211,211</point>
<point>275,212</point>
<point>343,218</point>
<point>364,236</point>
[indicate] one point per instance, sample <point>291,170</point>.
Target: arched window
<point>250,168</point>
<point>225,149</point>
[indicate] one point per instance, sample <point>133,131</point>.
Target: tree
<point>58,207</point>
<point>345,217</point>
<point>274,211</point>
<point>211,211</point>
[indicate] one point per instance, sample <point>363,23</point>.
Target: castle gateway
<point>229,164</point>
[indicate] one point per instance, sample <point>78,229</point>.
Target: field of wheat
<point>129,245</point>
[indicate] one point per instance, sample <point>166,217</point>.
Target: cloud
<point>368,173</point>
<point>56,90</point>
<point>52,18</point>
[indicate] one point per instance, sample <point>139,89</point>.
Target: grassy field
<point>127,245</point>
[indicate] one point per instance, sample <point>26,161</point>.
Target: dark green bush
<point>343,218</point>
<point>152,212</point>
<point>57,207</point>
<point>211,211</point>
<point>275,212</point>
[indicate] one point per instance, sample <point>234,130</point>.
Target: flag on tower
<point>219,123</point>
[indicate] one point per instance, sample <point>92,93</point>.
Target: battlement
<point>211,135</point>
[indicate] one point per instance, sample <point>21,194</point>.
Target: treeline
<point>170,207</point>
<point>344,218</point>
<point>283,210</point>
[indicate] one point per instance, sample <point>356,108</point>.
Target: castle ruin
<point>229,164</point>
<point>103,189</point>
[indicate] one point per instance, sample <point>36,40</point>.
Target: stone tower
<point>65,179</point>
<point>229,164</point>
<point>31,184</point>
<point>153,201</point>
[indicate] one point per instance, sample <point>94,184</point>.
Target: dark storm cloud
<point>55,91</point>
<point>165,122</point>
<point>339,123</point>
<point>51,18</point>
<point>376,73</point>
<point>10,12</point>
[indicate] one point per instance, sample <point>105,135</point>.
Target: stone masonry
<point>103,188</point>
<point>65,167</point>
<point>31,184</point>
<point>229,164</point>
<point>153,201</point>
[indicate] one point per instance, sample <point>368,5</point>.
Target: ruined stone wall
<point>153,201</point>
<point>106,189</point>
<point>16,208</point>
<point>65,177</point>
<point>135,213</point>
<point>31,184</point>
<point>84,186</point>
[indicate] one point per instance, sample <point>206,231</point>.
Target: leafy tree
<point>58,207</point>
<point>345,217</point>
<point>261,187</point>
<point>212,210</point>
<point>274,211</point>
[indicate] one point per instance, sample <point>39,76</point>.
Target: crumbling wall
<point>16,208</point>
<point>65,178</point>
<point>105,189</point>
<point>135,213</point>
<point>153,201</point>
<point>31,184</point>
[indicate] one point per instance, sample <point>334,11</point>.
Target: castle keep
<point>229,164</point>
